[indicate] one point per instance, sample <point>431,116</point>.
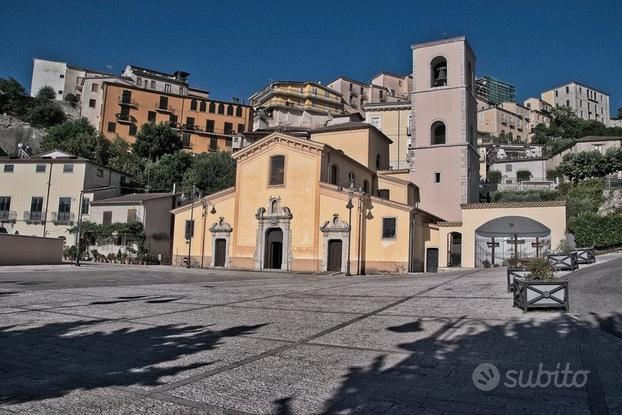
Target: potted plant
<point>539,288</point>
<point>564,258</point>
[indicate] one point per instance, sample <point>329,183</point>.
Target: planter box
<point>515,273</point>
<point>564,262</point>
<point>530,295</point>
<point>585,255</point>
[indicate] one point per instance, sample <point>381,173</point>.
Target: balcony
<point>62,218</point>
<point>128,102</point>
<point>125,119</point>
<point>34,217</point>
<point>7,216</point>
<point>165,108</point>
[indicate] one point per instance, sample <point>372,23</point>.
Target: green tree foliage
<point>13,99</point>
<point>80,138</point>
<point>211,172</point>
<point>71,99</point>
<point>124,159</point>
<point>583,197</point>
<point>526,196</point>
<point>46,92</point>
<point>494,176</point>
<point>45,114</point>
<point>523,175</point>
<point>155,140</point>
<point>588,164</point>
<point>566,125</point>
<point>170,168</point>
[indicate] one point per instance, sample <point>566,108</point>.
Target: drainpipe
<point>47,200</point>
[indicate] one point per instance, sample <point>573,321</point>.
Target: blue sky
<point>233,48</point>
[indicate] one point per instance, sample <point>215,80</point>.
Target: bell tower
<point>444,159</point>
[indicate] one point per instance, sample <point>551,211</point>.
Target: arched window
<point>438,133</point>
<point>438,70</point>
<point>238,112</point>
<point>221,108</point>
<point>203,106</point>
<point>212,107</point>
<point>193,105</point>
<point>334,174</point>
<point>229,109</point>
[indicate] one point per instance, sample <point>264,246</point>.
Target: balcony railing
<point>7,216</point>
<point>34,216</point>
<point>164,108</point>
<point>125,118</point>
<point>127,101</point>
<point>63,218</point>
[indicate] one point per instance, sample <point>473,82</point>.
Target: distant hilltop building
<point>118,105</point>
<point>385,87</point>
<point>494,90</point>
<point>587,102</point>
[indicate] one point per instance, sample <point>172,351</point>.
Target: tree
<point>45,114</point>
<point>46,92</point>
<point>124,159</point>
<point>211,172</point>
<point>80,138</point>
<point>494,176</point>
<point>71,99</point>
<point>584,165</point>
<point>160,175</point>
<point>13,99</point>
<point>155,140</point>
<point>523,175</point>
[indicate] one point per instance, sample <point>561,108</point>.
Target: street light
<point>205,204</point>
<point>79,226</point>
<point>349,206</point>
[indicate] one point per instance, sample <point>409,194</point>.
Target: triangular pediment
<point>277,138</point>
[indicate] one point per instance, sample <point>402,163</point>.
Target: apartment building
<point>384,87</point>
<point>63,78</point>
<point>394,120</point>
<point>40,196</point>
<point>294,103</point>
<point>500,122</point>
<point>495,90</point>
<point>205,124</point>
<point>588,103</point>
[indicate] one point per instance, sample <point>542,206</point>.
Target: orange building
<point>206,125</point>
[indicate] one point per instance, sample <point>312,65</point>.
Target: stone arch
<point>438,72</point>
<point>276,216</point>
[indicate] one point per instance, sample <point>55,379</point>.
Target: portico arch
<point>510,236</point>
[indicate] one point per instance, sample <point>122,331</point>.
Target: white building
<point>383,88</point>
<point>150,209</point>
<point>587,102</point>
<point>40,196</point>
<point>63,78</point>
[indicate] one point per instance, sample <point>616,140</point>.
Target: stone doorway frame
<point>277,216</point>
<point>335,229</point>
<point>220,230</point>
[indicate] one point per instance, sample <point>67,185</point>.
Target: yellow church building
<point>312,205</point>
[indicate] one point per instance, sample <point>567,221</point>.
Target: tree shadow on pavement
<point>54,359</point>
<point>437,374</point>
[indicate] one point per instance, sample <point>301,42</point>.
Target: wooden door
<point>334,255</point>
<point>220,253</point>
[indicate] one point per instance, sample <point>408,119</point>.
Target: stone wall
<point>14,131</point>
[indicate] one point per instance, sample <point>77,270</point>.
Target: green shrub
<point>494,176</point>
<point>526,196</point>
<point>601,231</point>
<point>523,175</point>
<point>540,269</point>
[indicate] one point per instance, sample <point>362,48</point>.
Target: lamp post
<point>349,206</point>
<point>206,204</point>
<point>79,226</point>
<point>191,230</point>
